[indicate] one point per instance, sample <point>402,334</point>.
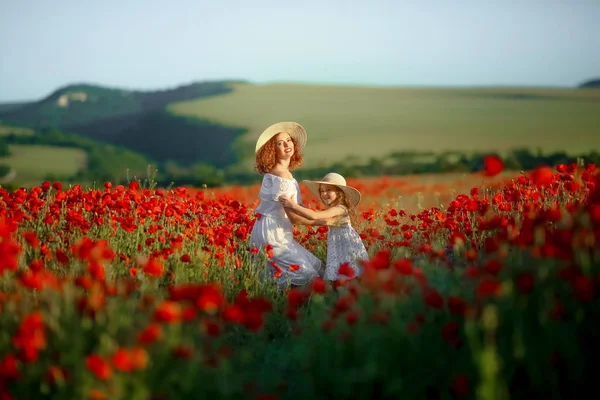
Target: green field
<point>7,130</point>
<point>32,163</point>
<point>346,121</point>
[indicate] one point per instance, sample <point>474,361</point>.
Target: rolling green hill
<point>5,107</point>
<point>349,122</point>
<point>76,107</point>
<point>32,164</point>
<point>135,119</point>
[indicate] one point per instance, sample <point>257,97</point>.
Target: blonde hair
<point>342,200</point>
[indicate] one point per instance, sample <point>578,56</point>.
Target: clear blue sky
<point>147,44</point>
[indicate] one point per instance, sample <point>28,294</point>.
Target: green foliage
<point>16,130</point>
<point>4,170</point>
<point>4,149</point>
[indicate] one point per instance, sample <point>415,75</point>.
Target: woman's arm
<point>310,214</point>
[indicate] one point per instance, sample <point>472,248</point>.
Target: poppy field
<point>137,292</point>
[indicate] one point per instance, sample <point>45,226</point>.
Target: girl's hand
<point>285,202</point>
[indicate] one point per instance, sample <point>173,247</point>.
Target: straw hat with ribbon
<point>334,179</point>
<point>294,129</point>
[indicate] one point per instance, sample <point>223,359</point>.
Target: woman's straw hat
<point>334,179</point>
<point>294,129</point>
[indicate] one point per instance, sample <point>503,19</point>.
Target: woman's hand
<point>287,203</point>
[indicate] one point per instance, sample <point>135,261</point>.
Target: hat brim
<point>353,195</point>
<point>294,129</point>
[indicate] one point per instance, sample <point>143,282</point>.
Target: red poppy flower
<point>346,270</point>
<point>542,176</point>
<point>433,298</point>
<point>493,165</point>
<point>460,386</point>
<point>167,311</point>
<point>98,366</point>
<point>319,286</point>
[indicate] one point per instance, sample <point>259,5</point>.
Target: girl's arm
<point>297,219</point>
<point>310,214</point>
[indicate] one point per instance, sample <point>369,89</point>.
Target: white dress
<point>344,245</point>
<point>275,228</point>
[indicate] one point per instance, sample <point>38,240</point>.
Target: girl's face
<point>328,194</point>
<point>284,146</point>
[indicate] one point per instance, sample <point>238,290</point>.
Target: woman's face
<point>328,194</point>
<point>284,146</point>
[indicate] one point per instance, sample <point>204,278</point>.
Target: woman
<point>279,151</point>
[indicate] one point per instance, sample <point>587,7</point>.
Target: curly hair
<point>266,157</point>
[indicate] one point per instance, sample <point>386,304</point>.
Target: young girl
<point>344,245</point>
<point>278,151</point>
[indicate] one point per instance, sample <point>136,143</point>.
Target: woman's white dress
<point>274,228</point>
<point>344,245</point>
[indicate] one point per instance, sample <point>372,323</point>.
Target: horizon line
<point>300,82</point>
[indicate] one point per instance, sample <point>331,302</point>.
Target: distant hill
<point>591,84</point>
<point>127,117</point>
<point>4,107</point>
<point>218,122</point>
<point>83,104</point>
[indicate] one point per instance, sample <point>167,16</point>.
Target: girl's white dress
<point>344,245</point>
<point>274,228</point>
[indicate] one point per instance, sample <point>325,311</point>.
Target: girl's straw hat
<point>334,179</point>
<point>294,129</point>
